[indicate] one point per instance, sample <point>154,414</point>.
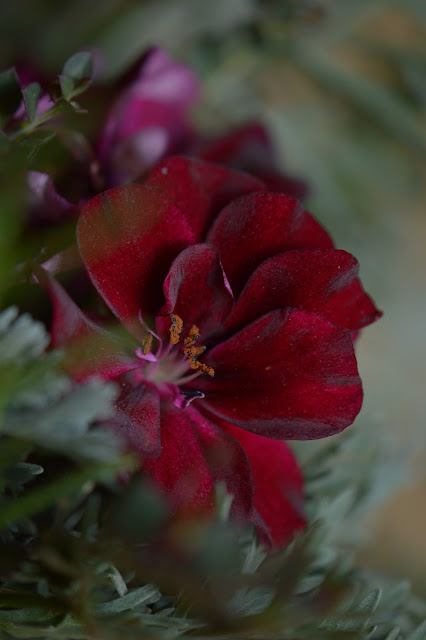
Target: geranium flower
<point>242,312</point>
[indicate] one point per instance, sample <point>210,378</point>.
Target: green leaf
<point>21,473</point>
<point>67,86</point>
<point>79,67</point>
<point>31,95</point>
<point>370,602</point>
<point>10,95</point>
<point>28,615</point>
<point>145,595</point>
<point>43,497</point>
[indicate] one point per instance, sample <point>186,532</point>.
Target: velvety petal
<point>196,288</point>
<point>321,280</point>
<point>249,148</point>
<point>128,237</point>
<point>282,182</point>
<point>195,456</point>
<point>149,117</point>
<point>289,375</point>
<point>200,189</point>
<point>137,418</point>
<point>278,483</point>
<point>90,349</point>
<point>258,226</point>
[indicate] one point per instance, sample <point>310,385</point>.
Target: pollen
<point>146,344</point>
<point>200,366</point>
<point>193,335</point>
<point>175,328</point>
<point>189,349</point>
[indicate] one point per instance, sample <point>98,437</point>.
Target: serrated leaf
<point>31,95</point>
<point>67,86</point>
<point>79,67</point>
<point>144,595</point>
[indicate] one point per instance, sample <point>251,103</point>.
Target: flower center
<point>190,350</point>
<point>172,365</point>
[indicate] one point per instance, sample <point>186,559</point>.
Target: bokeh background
<point>342,87</point>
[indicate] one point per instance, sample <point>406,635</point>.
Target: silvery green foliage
<point>349,476</point>
<point>21,338</point>
<point>45,407</point>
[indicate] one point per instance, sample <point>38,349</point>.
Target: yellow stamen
<point>147,344</point>
<point>175,328</point>
<point>189,349</point>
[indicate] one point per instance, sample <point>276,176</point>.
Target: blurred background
<point>341,86</point>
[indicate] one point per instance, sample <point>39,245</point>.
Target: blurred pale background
<point>342,86</point>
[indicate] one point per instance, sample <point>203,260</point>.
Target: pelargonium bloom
<point>242,313</point>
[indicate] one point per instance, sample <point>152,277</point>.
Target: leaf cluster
<point>29,114</point>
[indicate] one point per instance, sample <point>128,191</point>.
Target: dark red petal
<point>249,148</point>
<point>197,290</point>
<point>128,238</point>
<point>282,183</point>
<point>278,483</point>
<point>90,348</point>
<point>68,320</point>
<point>239,147</point>
<point>137,419</point>
<point>195,455</point>
<point>288,375</point>
<point>321,280</point>
<point>258,226</point>
<point>200,189</point>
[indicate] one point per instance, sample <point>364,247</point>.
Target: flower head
<point>242,312</point>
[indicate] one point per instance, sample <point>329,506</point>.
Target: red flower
<point>242,311</point>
